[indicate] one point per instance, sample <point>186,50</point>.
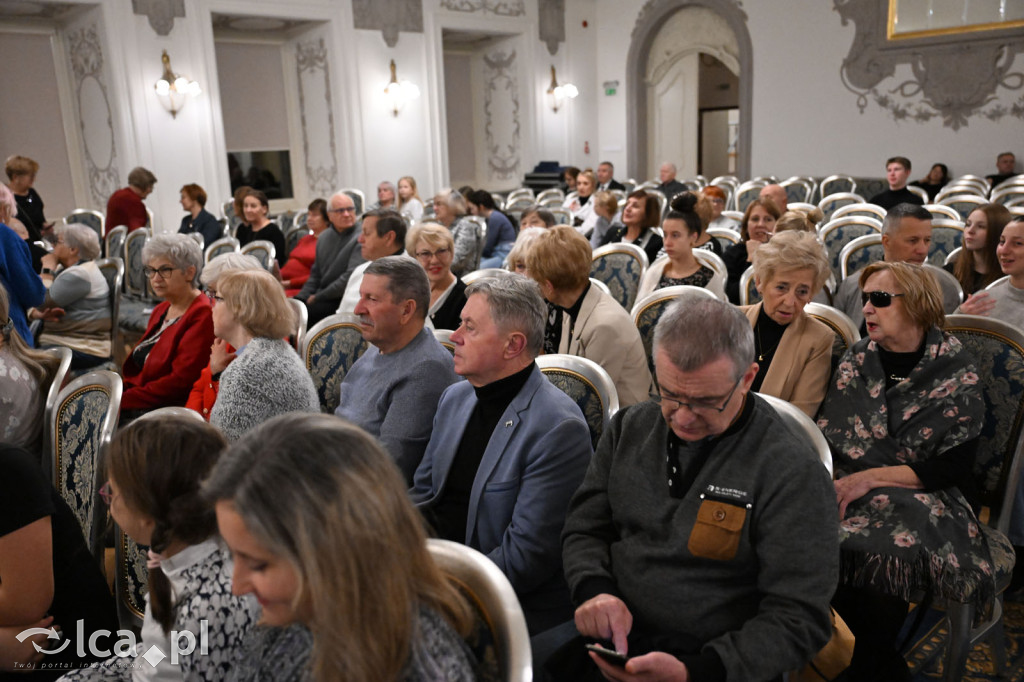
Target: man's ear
<point>515,345</point>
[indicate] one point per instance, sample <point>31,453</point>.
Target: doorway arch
<point>652,17</point>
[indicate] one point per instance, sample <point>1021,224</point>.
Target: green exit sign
<point>610,87</point>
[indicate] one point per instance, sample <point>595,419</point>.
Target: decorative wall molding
<point>20,9</point>
<point>505,8</point>
<point>92,105</point>
<point>955,76</point>
<point>389,17</point>
<point>161,13</point>
<point>313,72</point>
<point>649,23</point>
<point>502,98</point>
<point>551,23</point>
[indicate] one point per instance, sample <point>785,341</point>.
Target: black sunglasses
<point>879,299</point>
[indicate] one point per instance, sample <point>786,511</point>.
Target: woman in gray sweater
<point>267,378</point>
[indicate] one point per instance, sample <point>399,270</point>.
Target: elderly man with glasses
<point>702,543</point>
<point>338,253</point>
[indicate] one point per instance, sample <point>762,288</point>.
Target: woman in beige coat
<point>582,319</point>
<point>793,350</point>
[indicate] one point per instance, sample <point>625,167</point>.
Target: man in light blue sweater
<point>393,389</point>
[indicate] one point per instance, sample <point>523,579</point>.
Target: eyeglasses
<point>347,209</point>
<point>705,407</point>
<point>164,272</point>
<point>879,299</point>
<point>427,255</point>
<point>214,298</point>
<point>107,493</point>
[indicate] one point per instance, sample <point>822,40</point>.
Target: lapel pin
<point>508,423</point>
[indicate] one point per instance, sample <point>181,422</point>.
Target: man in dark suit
<point>1005,162</point>
<point>669,185</point>
<point>508,449</point>
<point>606,179</point>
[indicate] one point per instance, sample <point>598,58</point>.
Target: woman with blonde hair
<point>432,245</point>
<point>794,351</point>
<point>27,374</point>
<point>409,198</point>
<point>582,319</point>
<point>324,534</point>
<point>581,206</point>
<point>266,378</point>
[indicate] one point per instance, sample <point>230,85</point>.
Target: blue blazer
<point>533,463</point>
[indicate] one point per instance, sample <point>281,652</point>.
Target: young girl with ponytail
<point>155,467</point>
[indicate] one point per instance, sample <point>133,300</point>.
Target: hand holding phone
<point>610,655</point>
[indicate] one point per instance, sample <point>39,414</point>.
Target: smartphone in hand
<point>610,655</point>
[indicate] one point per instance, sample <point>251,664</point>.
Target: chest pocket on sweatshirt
<point>716,534</point>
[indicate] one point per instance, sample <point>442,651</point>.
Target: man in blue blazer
<point>508,448</point>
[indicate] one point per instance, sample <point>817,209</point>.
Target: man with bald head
<point>669,185</point>
<point>777,195</point>
<point>338,253</point>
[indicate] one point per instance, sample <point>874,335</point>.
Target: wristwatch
<point>46,271</point>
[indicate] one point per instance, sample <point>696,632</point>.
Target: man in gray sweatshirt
<point>337,255</point>
<point>703,542</point>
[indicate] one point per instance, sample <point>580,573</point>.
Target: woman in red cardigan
<point>295,272</point>
<point>165,364</point>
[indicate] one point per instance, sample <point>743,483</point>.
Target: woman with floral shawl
<point>902,416</point>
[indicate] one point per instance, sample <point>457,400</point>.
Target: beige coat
<point>605,333</point>
<point>802,364</point>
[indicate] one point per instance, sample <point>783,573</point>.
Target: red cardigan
<point>175,361</point>
<point>205,390</point>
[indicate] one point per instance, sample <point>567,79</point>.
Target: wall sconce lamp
<point>173,90</point>
<point>399,93</point>
<point>557,94</point>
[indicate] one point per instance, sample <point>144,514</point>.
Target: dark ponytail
<point>684,208</point>
<point>158,465</point>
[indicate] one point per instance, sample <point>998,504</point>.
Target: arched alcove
<point>652,19</point>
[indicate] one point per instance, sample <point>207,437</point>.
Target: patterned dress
<point>900,540</point>
<point>701,278</point>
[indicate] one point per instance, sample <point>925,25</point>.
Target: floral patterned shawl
<point>899,540</point>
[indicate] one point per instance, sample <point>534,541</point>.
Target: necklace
<point>761,352</point>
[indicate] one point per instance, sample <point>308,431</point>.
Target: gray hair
<point>454,200</point>
<point>180,249</point>
<point>141,178</point>
<point>225,262</point>
<point>515,304</point>
<point>672,166</point>
<point>897,213</point>
<point>81,237</point>
<point>387,183</point>
<point>697,330</point>
<point>406,280</point>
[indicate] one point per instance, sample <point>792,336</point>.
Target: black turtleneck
<point>767,337</point>
<point>448,515</point>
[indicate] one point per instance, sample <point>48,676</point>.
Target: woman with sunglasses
<point>902,417</point>
<point>161,369</point>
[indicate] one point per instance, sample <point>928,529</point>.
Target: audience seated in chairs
<point>409,201</point>
<point>393,388</point>
<point>26,375</point>
<point>50,578</point>
<point>1004,301</point>
<point>320,518</point>
<point>977,266</point>
<point>508,430</point>
<point>267,378</point>
<point>904,494</point>
<point>433,246</point>
<point>205,389</point>
<point>155,467</point>
<point>76,312</point>
<point>756,229</point>
<point>450,210</point>
<point>582,319</point>
<point>161,370</point>
<point>296,270</point>
<point>793,350</point>
<point>639,218</point>
<point>683,228</point>
<point>193,200</point>
<point>258,226</point>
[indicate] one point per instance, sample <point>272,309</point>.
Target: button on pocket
<point>716,534</point>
